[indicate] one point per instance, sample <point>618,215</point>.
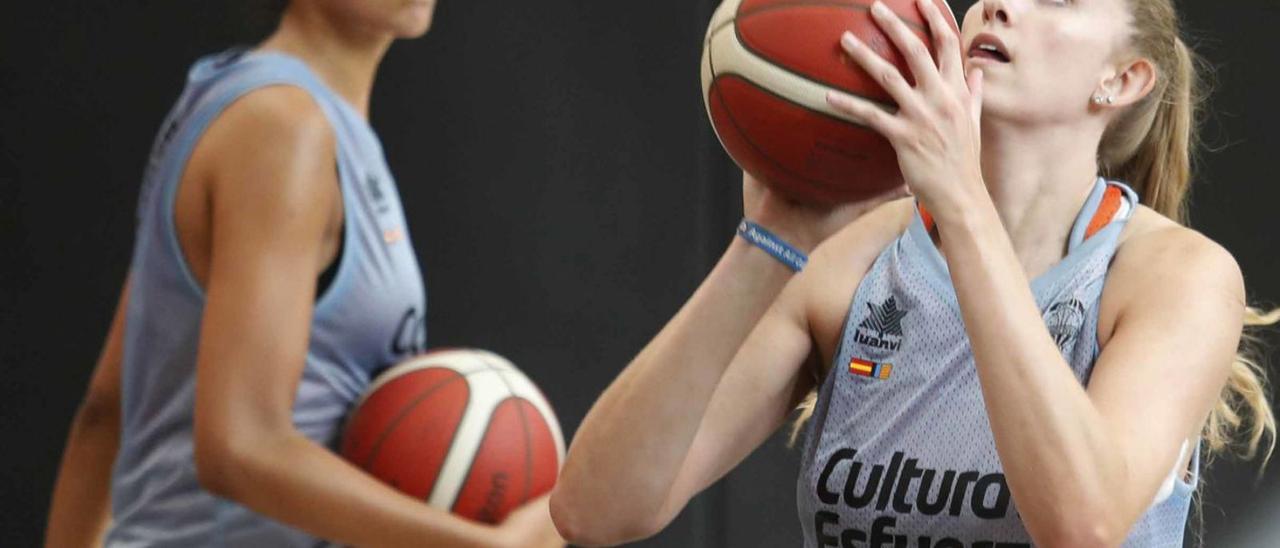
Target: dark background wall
<point>564,189</point>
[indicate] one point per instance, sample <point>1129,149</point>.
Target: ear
<point>1130,83</point>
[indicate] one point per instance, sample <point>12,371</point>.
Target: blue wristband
<point>773,245</point>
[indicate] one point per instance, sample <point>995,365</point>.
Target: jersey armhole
<point>338,270</point>
<point>325,280</point>
<point>184,147</point>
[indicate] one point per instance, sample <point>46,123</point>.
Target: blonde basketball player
<point>1023,353</point>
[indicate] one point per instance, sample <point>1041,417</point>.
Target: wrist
<point>795,231</point>
<point>771,243</point>
<point>964,212</point>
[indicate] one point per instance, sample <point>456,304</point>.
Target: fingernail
<point>849,40</point>
<point>879,8</point>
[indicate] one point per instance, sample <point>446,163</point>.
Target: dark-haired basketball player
<point>1024,354</point>
<point>229,366</point>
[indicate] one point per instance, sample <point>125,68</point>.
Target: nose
<point>995,10</point>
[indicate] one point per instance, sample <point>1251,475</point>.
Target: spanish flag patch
<point>864,368</point>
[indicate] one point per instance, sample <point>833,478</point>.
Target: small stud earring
<point>1110,100</point>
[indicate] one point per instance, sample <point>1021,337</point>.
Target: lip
<point>988,39</point>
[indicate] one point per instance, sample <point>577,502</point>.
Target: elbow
<point>224,462</point>
<point>580,525</point>
<point>214,460</point>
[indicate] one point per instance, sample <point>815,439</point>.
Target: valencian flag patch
<point>865,368</point>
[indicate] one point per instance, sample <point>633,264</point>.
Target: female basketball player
<point>229,368</point>
<point>977,366</point>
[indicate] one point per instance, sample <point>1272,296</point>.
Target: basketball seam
<point>486,366</point>
<point>728,112</point>
<point>756,57</point>
<point>528,451</point>
<point>821,4</point>
<point>413,364</point>
<point>737,33</point>
<point>747,139</point>
<point>466,477</point>
<point>732,20</point>
<point>377,446</point>
<point>449,499</point>
<point>524,427</point>
<point>529,391</point>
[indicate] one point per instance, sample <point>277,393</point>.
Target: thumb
<point>974,80</point>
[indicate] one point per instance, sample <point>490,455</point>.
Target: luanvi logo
<point>882,328</point>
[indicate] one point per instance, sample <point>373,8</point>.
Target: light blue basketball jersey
<point>371,315</point>
<point>899,452</point>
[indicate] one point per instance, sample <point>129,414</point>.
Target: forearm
<point>638,434</point>
<point>81,509</point>
<point>296,481</point>
<point>1059,457</point>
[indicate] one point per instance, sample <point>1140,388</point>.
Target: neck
<point>345,58</point>
<point>1038,179</point>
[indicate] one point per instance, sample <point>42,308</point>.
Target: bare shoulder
<point>1154,246</point>
<point>1160,263</point>
<point>836,268</point>
<point>266,166</point>
<point>278,130</point>
<point>276,110</point>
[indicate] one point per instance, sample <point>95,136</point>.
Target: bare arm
<point>271,193</point>
<point>81,507</point>
<point>694,402</point>
<point>639,432</point>
<point>1084,464</point>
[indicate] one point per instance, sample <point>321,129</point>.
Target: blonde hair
<point>1150,146</point>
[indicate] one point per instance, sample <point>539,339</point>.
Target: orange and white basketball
<point>463,430</point>
<point>767,66</point>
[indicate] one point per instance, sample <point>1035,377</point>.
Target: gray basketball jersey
<point>371,315</point>
<point>899,452</point>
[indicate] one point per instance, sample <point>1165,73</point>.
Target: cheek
<point>971,23</point>
<point>1063,66</point>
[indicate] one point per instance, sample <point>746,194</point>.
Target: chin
<point>415,21</point>
<point>412,31</point>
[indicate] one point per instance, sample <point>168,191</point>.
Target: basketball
<point>766,68</point>
<point>463,430</point>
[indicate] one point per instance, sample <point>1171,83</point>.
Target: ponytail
<point>1150,146</point>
